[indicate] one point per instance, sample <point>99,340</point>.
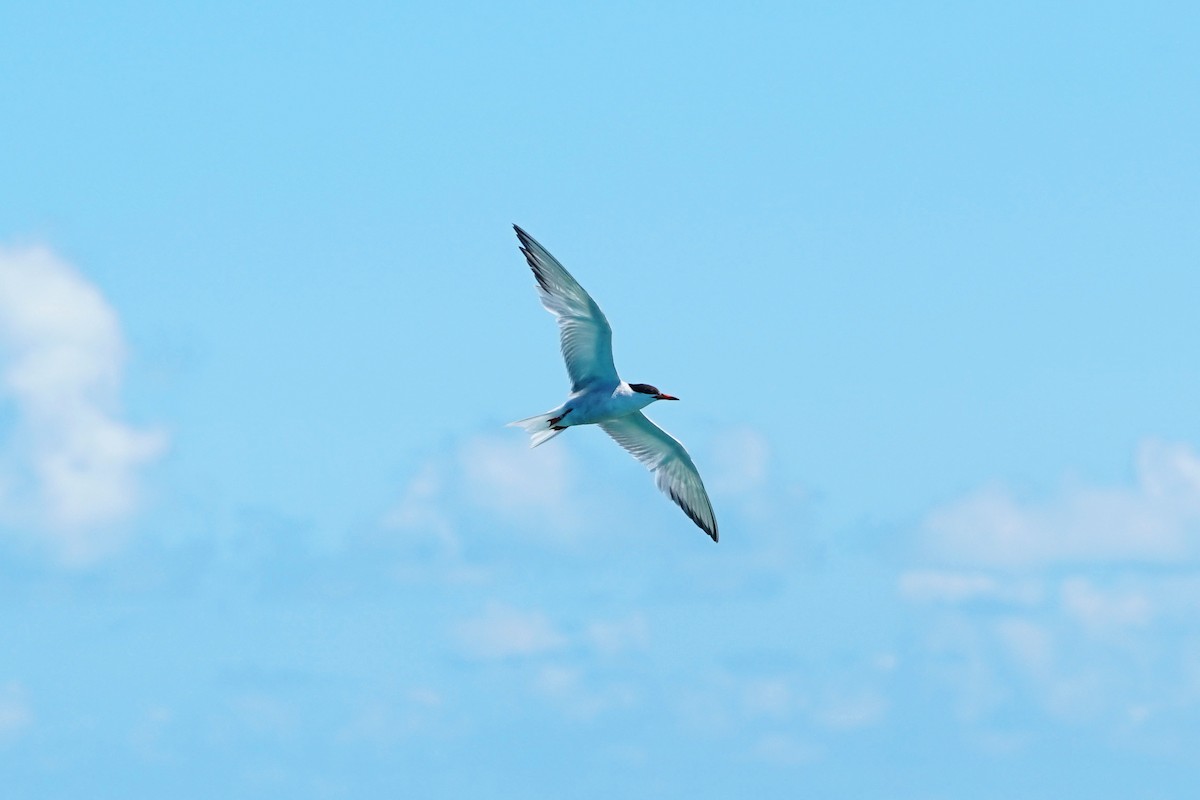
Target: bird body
<point>599,396</point>
<point>597,403</point>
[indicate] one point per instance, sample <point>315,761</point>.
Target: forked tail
<point>539,428</point>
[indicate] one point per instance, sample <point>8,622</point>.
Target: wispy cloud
<point>786,749</point>
<point>1156,520</point>
<point>71,465</point>
<point>740,461</point>
<point>16,716</point>
<point>804,703</point>
<point>612,637</point>
<point>504,476</point>
<point>1101,609</point>
<point>489,478</point>
<point>383,721</point>
<point>1083,603</point>
<point>560,660</point>
<point>578,696</point>
<point>504,494</point>
<point>506,632</point>
<point>429,529</point>
<point>953,586</point>
<point>860,709</point>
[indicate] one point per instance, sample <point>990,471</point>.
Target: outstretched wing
<point>586,335</point>
<point>673,469</point>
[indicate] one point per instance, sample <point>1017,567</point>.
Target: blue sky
<point>925,277</point>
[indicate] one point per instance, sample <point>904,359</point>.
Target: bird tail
<point>539,427</point>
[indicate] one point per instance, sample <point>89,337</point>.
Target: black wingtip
<point>693,516</point>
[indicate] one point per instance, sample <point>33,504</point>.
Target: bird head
<point>652,391</point>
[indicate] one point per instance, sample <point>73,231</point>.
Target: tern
<point>599,396</point>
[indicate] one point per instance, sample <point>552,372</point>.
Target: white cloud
<point>504,475</point>
<point>1100,610</point>
<point>1156,520</point>
<point>1090,648</point>
<point>948,586</point>
<point>611,637</point>
<point>498,489</point>
<point>71,465</point>
<point>1089,596</point>
<point>1073,680</point>
<point>784,749</point>
<point>383,721</point>
<point>957,655</point>
<point>556,666</point>
<point>1028,643</point>
<point>860,709</point>
<point>769,697</point>
<point>504,632</point>
<point>500,476</point>
<point>740,460</point>
<point>420,513</point>
<point>570,690</point>
<point>824,702</point>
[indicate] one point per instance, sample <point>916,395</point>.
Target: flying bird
<point>599,396</point>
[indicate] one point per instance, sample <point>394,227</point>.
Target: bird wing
<point>673,469</point>
<point>586,334</point>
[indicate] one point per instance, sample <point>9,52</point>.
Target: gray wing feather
<point>584,330</point>
<point>673,469</point>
